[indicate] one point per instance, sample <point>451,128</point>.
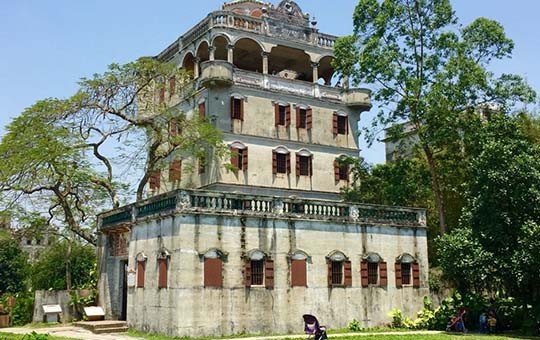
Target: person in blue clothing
<point>483,322</point>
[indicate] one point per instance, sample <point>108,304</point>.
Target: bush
<point>354,325</point>
<point>24,308</point>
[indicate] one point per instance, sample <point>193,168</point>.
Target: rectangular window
<point>202,110</point>
<point>342,127</point>
<point>405,273</point>
<point>140,273</point>
<point>257,272</point>
<point>298,273</point>
<point>304,165</point>
<point>163,265</point>
<point>281,115</point>
<point>302,119</point>
<point>155,179</point>
<point>212,272</point>
<point>343,172</point>
<point>175,171</point>
<point>373,273</point>
<point>281,163</point>
<point>337,272</point>
<point>237,108</point>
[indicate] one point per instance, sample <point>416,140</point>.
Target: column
<point>315,67</point>
<point>265,62</point>
<point>230,56</point>
<point>196,67</point>
<point>211,51</point>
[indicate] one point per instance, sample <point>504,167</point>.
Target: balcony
<point>233,204</point>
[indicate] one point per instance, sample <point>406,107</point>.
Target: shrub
<point>354,325</point>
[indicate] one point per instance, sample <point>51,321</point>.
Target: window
<point>28,242</point>
<point>281,161</point>
<point>407,271</point>
<point>163,268</point>
<point>303,165</point>
<point>202,110</point>
<point>341,170</point>
<point>175,171</point>
<point>298,269</point>
<point>339,270</point>
<point>239,156</point>
<point>38,241</point>
<point>303,118</point>
<point>373,273</point>
<point>282,115</point>
<point>141,267</point>
<point>259,270</point>
<point>154,179</point>
<point>340,123</point>
<point>237,108</point>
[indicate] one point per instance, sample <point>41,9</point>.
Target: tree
<point>13,265</point>
<point>429,72</point>
<point>65,265</point>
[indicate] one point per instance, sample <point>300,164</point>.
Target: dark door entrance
<point>123,296</point>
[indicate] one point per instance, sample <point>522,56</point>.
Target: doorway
<point>123,295</point>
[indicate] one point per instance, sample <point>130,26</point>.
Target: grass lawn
<point>10,336</point>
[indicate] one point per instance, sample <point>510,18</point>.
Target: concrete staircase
<point>103,326</point>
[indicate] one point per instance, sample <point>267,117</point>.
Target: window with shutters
<point>141,267</point>
<point>202,110</point>
<point>339,269</point>
<point>213,268</point>
<point>303,117</point>
<point>299,269</point>
<point>407,271</point>
<point>342,125</point>
<point>239,156</point>
<point>163,268</point>
<point>175,171</point>
<point>154,179</point>
<point>257,272</point>
<point>237,108</point>
<point>303,165</point>
<point>337,272</point>
<point>373,273</point>
<point>282,115</point>
<point>281,167</point>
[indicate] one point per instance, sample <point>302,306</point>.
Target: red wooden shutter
<point>242,109</point>
<point>297,117</point>
<point>234,157</point>
<point>172,86</point>
<point>212,273</point>
<point>202,110</point>
<point>175,170</point>
<point>162,273</point>
<point>298,273</point>
<point>155,178</point>
<point>288,163</point>
<point>140,274</point>
<point>347,271</point>
<point>161,95</point>
<point>383,274</point>
<point>274,162</point>
<point>232,108</point>
<point>335,124</point>
<point>310,163</point>
<point>364,273</point>
<point>309,119</point>
<point>297,165</point>
<point>269,274</point>
<point>416,275</point>
<point>329,274</point>
<point>276,114</point>
<point>247,274</point>
<point>347,125</point>
<point>336,171</point>
<point>398,275</point>
<point>245,159</point>
<point>288,116</point>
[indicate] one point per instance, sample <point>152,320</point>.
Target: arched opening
<point>220,44</point>
<point>188,64</point>
<point>203,52</point>
<point>290,63</point>
<point>248,55</point>
<point>326,71</point>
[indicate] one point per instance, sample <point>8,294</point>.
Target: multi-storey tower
<point>264,76</point>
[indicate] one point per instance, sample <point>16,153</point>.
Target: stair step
<point>110,330</point>
<point>107,325</point>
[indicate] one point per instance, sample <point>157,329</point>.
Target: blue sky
<point>48,45</point>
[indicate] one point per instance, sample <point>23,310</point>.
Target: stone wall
<point>55,297</point>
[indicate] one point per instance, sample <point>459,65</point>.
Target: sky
<point>46,46</point>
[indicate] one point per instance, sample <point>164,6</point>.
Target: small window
<point>302,119</point>
<point>281,115</point>
<point>237,108</point>
<point>304,165</point>
<point>175,170</point>
<point>212,272</point>
<point>373,273</point>
<point>202,110</point>
<point>298,273</point>
<point>257,272</point>
<point>154,179</point>
<point>282,163</point>
<point>406,273</point>
<point>28,242</point>
<point>239,157</point>
<point>342,125</point>
<point>163,268</point>
<point>337,272</point>
<point>140,273</point>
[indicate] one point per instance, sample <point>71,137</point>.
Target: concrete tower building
<point>219,252</point>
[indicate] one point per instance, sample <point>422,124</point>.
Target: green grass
<point>11,336</point>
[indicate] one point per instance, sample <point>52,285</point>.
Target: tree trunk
<point>439,201</point>
<point>68,266</point>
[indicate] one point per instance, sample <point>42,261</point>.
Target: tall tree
<point>428,71</point>
<point>13,265</point>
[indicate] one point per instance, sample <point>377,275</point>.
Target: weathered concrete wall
<point>187,308</point>
<point>55,297</point>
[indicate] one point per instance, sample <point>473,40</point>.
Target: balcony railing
<point>207,202</point>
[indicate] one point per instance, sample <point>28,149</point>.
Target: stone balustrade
<point>198,201</point>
